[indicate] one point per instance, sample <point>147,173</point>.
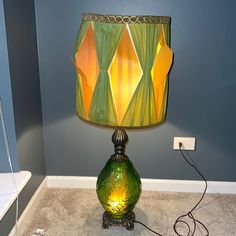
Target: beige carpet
<point>77,212</point>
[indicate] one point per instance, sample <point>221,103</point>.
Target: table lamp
<point>122,64</point>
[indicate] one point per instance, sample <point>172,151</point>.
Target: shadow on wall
<point>30,147</point>
<point>71,131</point>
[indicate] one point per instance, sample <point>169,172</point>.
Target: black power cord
<point>148,228</point>
<point>180,219</point>
<point>190,213</point>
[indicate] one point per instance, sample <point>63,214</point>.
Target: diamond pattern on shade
<point>159,73</point>
<point>125,73</point>
<point>122,73</point>
<point>87,66</point>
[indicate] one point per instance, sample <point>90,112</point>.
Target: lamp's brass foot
<point>127,222</point>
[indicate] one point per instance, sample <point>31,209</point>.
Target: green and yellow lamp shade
<point>122,64</point>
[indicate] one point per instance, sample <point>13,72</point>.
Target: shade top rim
<point>126,19</point>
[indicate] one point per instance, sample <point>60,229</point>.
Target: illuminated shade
<point>122,63</point>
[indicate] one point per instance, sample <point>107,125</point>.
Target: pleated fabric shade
<point>122,65</point>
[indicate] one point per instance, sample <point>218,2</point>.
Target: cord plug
<point>180,145</point>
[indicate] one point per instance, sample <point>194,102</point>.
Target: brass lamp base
<point>127,222</point>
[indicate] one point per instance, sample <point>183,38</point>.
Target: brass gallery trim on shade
<point>121,19</point>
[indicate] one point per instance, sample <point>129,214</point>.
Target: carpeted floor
<point>77,212</point>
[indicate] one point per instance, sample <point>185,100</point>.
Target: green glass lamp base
<point>127,222</point>
<point>118,186</point>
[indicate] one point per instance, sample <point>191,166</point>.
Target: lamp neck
<point>119,139</point>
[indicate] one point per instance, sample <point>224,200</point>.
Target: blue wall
<point>202,96</point>
<point>6,96</point>
<point>24,76</point>
<point>24,73</point>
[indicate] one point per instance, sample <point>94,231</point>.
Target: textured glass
<point>122,72</point>
<point>118,188</point>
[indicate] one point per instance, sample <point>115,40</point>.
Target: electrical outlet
<point>188,143</point>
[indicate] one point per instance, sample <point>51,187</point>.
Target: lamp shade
<point>122,63</point>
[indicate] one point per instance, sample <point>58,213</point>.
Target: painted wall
<point>24,74</point>
<point>6,97</point>
<point>202,96</point>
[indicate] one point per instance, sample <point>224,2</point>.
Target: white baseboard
<point>147,184</point>
<point>40,190</point>
<point>71,182</point>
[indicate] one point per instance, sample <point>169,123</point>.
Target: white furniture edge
<point>35,199</point>
<point>147,184</point>
<point>8,193</point>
